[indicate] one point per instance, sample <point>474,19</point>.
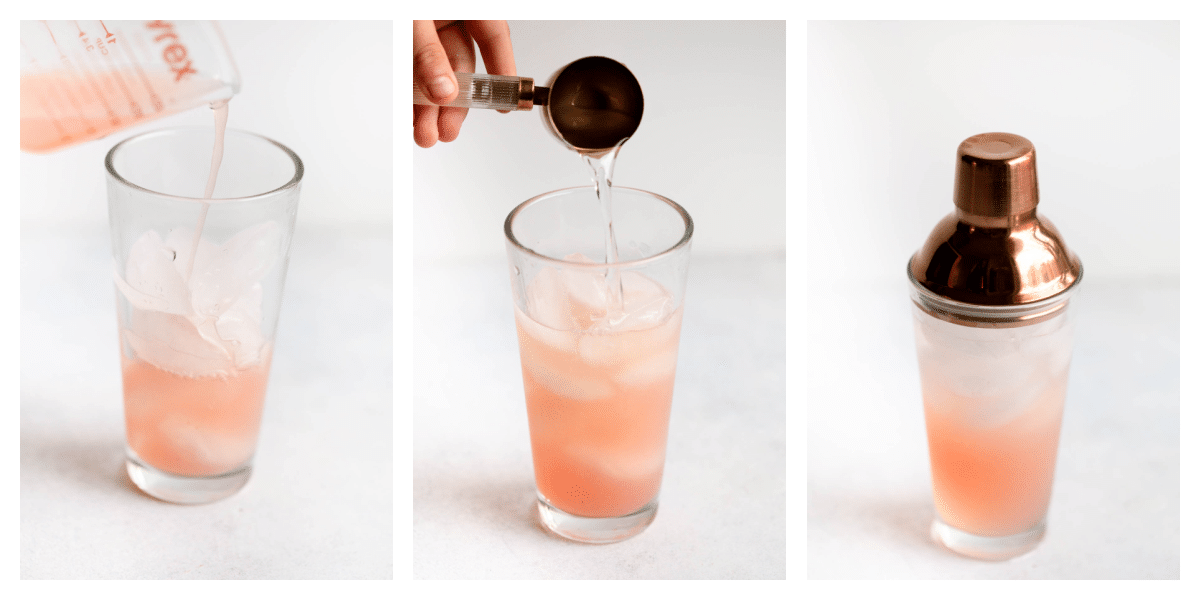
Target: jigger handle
<point>497,92</point>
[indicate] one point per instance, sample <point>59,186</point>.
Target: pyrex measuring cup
<point>82,80</point>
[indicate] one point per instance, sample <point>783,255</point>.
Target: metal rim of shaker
<point>981,315</point>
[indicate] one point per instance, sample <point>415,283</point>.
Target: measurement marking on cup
<point>83,74</point>
<point>137,66</point>
<point>48,108</point>
<point>52,40</point>
<point>119,79</point>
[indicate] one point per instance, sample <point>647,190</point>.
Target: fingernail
<point>443,87</point>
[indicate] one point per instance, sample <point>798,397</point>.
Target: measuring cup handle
<point>480,90</point>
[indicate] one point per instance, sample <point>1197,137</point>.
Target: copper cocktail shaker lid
<point>994,249</point>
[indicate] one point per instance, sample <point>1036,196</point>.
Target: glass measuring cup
<point>82,80</point>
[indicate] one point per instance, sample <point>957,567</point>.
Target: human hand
<point>442,48</point>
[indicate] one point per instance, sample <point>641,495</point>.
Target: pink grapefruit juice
<point>598,406</point>
<point>193,426</point>
<point>60,109</point>
<point>993,479</point>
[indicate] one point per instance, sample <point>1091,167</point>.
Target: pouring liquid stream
<point>601,167</point>
<point>220,118</point>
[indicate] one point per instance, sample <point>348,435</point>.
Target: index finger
<point>495,45</point>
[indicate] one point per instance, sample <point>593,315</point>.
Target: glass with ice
<point>198,287</point>
<point>994,398</point>
<point>598,344</point>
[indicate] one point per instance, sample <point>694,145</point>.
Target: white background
<point>319,504</point>
<point>888,104</point>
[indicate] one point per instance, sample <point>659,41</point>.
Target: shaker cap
<point>995,250</point>
<point>996,175</point>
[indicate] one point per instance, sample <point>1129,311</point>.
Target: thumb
<point>431,67</point>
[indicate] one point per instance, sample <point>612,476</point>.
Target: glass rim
<point>292,183</point>
<point>677,247</point>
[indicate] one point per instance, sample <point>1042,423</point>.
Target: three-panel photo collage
<point>797,301</point>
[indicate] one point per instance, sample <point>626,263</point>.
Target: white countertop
<point>721,511</point>
<point>1114,513</point>
<point>319,503</point>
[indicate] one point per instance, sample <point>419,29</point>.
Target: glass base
<point>987,548</point>
<point>184,490</point>
<point>593,530</point>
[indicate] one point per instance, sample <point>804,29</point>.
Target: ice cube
<point>546,300</point>
<point>173,343</point>
<point>581,385</point>
<point>645,304</point>
<point>567,299</point>
<point>565,341</point>
<point>1049,343</point>
<point>981,393</point>
<point>152,279</point>
<point>224,274</point>
<point>618,460</point>
<point>179,240</point>
<point>207,448</point>
<point>651,369</point>
<point>607,347</point>
<point>605,350</point>
<point>238,328</point>
<point>587,291</point>
<point>211,323</point>
<point>1004,409</point>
